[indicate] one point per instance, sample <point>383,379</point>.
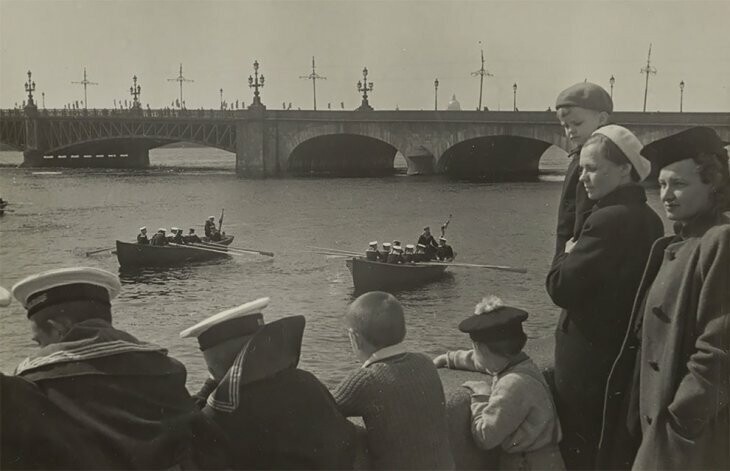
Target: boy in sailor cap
<point>513,409</point>
<point>274,415</point>
<point>581,109</point>
<point>372,252</point>
<point>125,396</point>
<point>142,236</point>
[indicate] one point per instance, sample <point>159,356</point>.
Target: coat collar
<point>383,353</point>
<point>697,226</point>
<point>624,194</point>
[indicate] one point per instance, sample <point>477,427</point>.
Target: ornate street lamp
<point>256,82</point>
<point>514,96</point>
<point>30,88</point>
<point>135,90</point>
<point>436,94</point>
<point>364,87</point>
<point>221,90</point>
<point>611,81</point>
<point>681,95</point>
<point>43,99</point>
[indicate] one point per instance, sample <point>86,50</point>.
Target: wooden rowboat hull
<point>379,276</point>
<point>225,241</point>
<point>136,255</point>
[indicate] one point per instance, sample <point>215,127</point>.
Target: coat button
<point>654,365</point>
<point>648,420</point>
<point>659,312</point>
<point>671,255</point>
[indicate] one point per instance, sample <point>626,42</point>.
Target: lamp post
<point>648,70</point>
<point>514,96</point>
<point>30,88</point>
<point>221,90</point>
<point>681,95</point>
<point>314,76</point>
<point>85,82</point>
<point>611,81</point>
<point>481,73</point>
<point>135,90</point>
<point>256,82</point>
<point>436,94</point>
<point>364,87</point>
<point>43,99</point>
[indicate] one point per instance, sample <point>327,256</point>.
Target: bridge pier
<point>256,147</point>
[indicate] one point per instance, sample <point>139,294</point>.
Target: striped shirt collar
<point>386,352</point>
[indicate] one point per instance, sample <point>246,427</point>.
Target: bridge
<point>269,143</point>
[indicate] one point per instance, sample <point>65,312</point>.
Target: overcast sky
<point>543,46</point>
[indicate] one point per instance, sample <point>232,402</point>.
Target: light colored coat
<point>681,381</point>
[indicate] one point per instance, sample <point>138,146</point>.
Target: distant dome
<point>454,104</point>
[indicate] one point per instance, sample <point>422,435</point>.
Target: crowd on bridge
<point>641,376</point>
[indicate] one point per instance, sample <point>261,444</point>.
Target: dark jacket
<point>159,239</point>
<point>672,376</point>
<point>371,255</point>
<point>430,244</point>
<point>574,205</point>
<point>445,252</point>
<point>142,239</point>
<point>595,285</point>
<point>209,228</point>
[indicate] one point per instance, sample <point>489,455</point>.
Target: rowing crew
<point>395,253</point>
<point>161,238</point>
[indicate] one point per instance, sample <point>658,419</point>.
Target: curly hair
<point>713,170</point>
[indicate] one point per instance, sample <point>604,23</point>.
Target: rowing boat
<point>224,241</point>
<point>371,276</point>
<point>139,255</point>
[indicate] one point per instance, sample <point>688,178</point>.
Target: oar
<point>474,265</point>
<point>327,249</point>
<point>261,252</point>
<point>197,247</point>
<point>331,254</point>
<point>97,251</point>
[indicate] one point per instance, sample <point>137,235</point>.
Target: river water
<point>60,214</point>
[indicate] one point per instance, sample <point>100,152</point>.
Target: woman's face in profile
<point>682,191</point>
<point>599,175</point>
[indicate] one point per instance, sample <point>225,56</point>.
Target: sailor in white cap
<point>100,379</point>
<point>383,254</point>
<point>372,252</point>
<point>159,237</point>
<point>142,236</point>
<point>396,255</point>
<point>210,227</point>
<point>409,253</point>
<point>192,237</point>
<point>444,252</point>
<point>177,236</point>
<point>260,399</point>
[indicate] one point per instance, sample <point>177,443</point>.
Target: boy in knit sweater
<point>513,409</point>
<point>398,394</point>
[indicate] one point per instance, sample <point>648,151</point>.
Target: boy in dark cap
<point>581,109</point>
<point>275,415</point>
<point>513,409</point>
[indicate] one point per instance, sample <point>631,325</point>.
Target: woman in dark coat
<point>669,389</point>
<point>595,281</point>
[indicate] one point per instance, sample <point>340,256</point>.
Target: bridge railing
<point>123,113</point>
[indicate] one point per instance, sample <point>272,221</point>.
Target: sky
<point>542,46</point>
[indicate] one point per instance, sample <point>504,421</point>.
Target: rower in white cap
<point>261,400</point>
<point>444,252</point>
<point>383,254</point>
<point>142,236</point>
<point>159,237</point>
<point>372,252</point>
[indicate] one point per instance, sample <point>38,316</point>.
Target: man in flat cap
<point>669,389</point>
<point>581,109</point>
<point>124,400</point>
<point>275,415</point>
<point>429,244</point>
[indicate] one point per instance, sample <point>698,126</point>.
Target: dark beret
<point>684,145</point>
<point>500,323</point>
<point>585,95</point>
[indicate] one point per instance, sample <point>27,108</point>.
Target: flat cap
<point>684,145</point>
<point>66,284</point>
<point>239,321</point>
<point>585,95</point>
<point>629,145</point>
<point>493,321</point>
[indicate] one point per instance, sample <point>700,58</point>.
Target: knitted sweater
<point>401,401</point>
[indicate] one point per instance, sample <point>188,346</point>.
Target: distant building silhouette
<point>454,104</point>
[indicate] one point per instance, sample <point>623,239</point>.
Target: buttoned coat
<point>595,284</point>
<point>682,403</point>
<point>574,205</point>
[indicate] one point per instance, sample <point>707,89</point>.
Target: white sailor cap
<point>174,229</point>
<point>143,228</point>
<point>398,248</point>
<point>410,246</point>
<point>239,321</point>
<point>442,238</point>
<point>386,244</point>
<point>162,229</point>
<point>629,145</point>
<point>422,246</point>
<point>4,297</point>
<point>212,218</point>
<point>66,284</point>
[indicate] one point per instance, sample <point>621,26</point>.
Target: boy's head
<point>581,109</point>
<point>375,321</point>
<point>495,328</point>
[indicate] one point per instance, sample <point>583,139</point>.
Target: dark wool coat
<point>595,285</point>
<point>671,378</point>
<point>574,205</point>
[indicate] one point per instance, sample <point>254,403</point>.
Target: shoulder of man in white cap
<point>242,320</point>
<point>629,145</point>
<point>585,95</point>
<point>685,145</point>
<point>36,288</point>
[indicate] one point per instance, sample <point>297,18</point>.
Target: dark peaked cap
<point>501,323</point>
<point>684,145</point>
